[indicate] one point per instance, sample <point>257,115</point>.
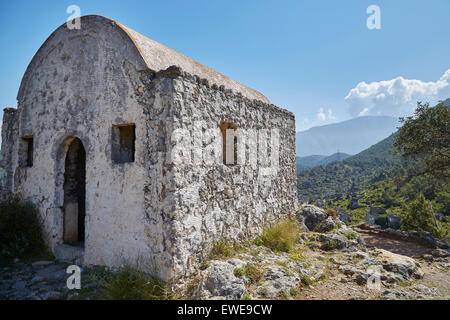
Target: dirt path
<point>382,241</point>
<point>435,283</point>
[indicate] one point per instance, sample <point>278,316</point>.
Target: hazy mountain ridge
<point>309,162</point>
<point>350,136</point>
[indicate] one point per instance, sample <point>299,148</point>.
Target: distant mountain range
<point>308,162</point>
<point>338,177</point>
<point>350,136</point>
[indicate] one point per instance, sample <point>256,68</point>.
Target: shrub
<point>418,215</point>
<point>252,271</point>
<point>350,235</point>
<point>293,292</point>
<point>131,284</point>
<point>21,234</point>
<point>306,281</point>
<point>246,296</point>
<point>258,241</point>
<point>382,221</point>
<point>442,201</point>
<point>223,249</point>
<point>239,272</point>
<point>282,236</point>
<point>297,257</point>
<point>332,213</point>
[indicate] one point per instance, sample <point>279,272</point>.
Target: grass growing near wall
<point>281,236</point>
<point>131,284</point>
<point>21,234</point>
<point>223,249</point>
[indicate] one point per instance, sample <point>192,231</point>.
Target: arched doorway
<point>75,193</point>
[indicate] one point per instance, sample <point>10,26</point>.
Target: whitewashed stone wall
<point>80,85</point>
<point>205,200</point>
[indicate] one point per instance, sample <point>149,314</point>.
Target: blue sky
<point>305,56</point>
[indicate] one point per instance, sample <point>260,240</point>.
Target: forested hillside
<point>409,168</point>
<point>332,180</point>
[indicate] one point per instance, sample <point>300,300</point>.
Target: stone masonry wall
<point>213,200</point>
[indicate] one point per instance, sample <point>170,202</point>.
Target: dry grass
<point>282,236</point>
<point>131,284</point>
<point>223,249</point>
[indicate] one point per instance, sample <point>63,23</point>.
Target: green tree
<point>424,139</point>
<point>418,215</point>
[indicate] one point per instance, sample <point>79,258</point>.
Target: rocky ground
<point>322,273</point>
<point>331,262</point>
<point>40,280</point>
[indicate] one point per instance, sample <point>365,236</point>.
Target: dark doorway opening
<point>75,193</point>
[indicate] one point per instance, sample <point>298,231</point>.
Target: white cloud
<point>321,116</point>
<point>330,115</point>
<point>364,112</point>
<point>396,97</point>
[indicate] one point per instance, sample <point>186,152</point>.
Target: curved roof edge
<point>157,57</point>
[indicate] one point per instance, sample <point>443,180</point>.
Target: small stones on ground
<point>347,270</point>
<point>36,281</point>
<point>320,275</point>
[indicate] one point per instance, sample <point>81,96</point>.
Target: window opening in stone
<point>26,152</point>
<point>123,143</point>
<point>230,141</point>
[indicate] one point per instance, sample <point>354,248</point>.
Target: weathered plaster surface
<point>80,85</point>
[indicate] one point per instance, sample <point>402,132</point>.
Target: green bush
<point>282,236</point>
<point>246,296</point>
<point>131,284</point>
<point>306,281</point>
<point>442,201</point>
<point>418,215</point>
<point>293,292</point>
<point>21,234</point>
<point>350,235</point>
<point>252,271</point>
<point>382,221</point>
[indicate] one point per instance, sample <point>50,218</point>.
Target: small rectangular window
<point>229,139</point>
<point>26,152</point>
<point>123,143</point>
